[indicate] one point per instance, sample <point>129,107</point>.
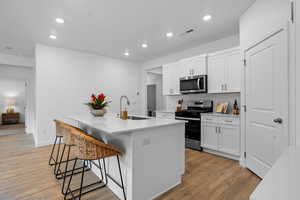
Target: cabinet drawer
<point>209,119</point>
<point>229,121</point>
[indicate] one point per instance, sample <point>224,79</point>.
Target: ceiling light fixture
<point>53,37</point>
<point>169,35</point>
<point>60,20</point>
<point>206,18</point>
<point>144,45</point>
<point>126,53</point>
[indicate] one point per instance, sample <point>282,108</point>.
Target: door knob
<point>278,120</point>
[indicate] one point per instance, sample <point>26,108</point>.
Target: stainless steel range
<point>193,125</point>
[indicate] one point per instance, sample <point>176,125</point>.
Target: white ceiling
<point>109,27</point>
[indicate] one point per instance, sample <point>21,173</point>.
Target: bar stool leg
<point>51,155</point>
<point>121,177</point>
<point>57,168</point>
<point>100,168</point>
<point>81,183</point>
<point>66,169</point>
<point>70,179</point>
<point>58,151</point>
<point>105,173</point>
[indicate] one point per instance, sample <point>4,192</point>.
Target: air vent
<point>189,31</point>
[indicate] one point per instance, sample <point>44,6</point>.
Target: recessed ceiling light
<point>126,53</point>
<point>169,35</point>
<point>60,20</point>
<point>144,45</point>
<point>53,37</point>
<point>206,18</point>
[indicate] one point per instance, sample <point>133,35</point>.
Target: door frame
<point>289,30</point>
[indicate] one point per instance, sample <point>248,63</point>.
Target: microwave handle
<point>198,83</point>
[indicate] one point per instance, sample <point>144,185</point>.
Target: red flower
<point>93,97</point>
<point>101,96</point>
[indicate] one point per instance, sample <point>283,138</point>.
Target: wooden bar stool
<point>89,148</point>
<point>68,141</point>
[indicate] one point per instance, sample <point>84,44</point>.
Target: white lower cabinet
<point>209,136</point>
<point>221,134</point>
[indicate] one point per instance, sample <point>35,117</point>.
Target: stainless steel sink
<point>137,118</point>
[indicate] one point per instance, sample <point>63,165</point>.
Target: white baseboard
<point>42,143</point>
<point>218,153</point>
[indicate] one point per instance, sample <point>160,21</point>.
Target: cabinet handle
<point>219,129</point>
<point>226,87</point>
<point>216,129</point>
<point>230,121</point>
<point>222,87</point>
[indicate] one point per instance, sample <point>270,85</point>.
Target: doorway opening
<point>12,106</point>
<point>16,100</point>
<point>155,99</point>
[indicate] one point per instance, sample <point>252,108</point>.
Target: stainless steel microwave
<point>194,84</point>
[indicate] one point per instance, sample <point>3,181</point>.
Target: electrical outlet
<point>146,141</point>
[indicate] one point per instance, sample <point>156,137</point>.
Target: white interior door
<point>267,102</point>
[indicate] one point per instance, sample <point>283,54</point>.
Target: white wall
<point>262,19</point>
<point>16,60</point>
<point>13,90</point>
<point>297,73</point>
<point>65,79</point>
<point>211,47</point>
<point>23,74</point>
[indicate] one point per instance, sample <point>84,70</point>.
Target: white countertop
<point>166,111</point>
<point>283,180</point>
<point>111,124</point>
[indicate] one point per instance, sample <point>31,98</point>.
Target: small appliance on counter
<point>193,125</point>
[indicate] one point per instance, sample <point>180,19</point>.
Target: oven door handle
<point>188,119</point>
<point>198,83</point>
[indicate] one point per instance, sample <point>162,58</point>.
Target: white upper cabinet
<point>216,74</point>
<point>171,74</point>
<point>194,66</point>
<point>224,71</point>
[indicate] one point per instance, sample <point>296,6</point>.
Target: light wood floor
<point>25,174</point>
<point>12,129</point>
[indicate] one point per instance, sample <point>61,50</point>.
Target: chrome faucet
<point>127,101</point>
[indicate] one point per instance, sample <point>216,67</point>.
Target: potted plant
<point>98,104</point>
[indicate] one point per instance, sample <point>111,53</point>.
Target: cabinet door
<point>229,140</point>
<point>233,72</point>
<point>216,73</point>
<point>175,76</point>
<point>166,76</point>
<point>199,65</point>
<point>185,66</point>
<point>171,79</point>
<point>209,136</point>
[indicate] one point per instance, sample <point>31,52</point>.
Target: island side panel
<point>125,142</point>
<point>158,160</point>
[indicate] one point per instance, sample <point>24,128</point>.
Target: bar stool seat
<point>89,148</point>
<point>68,141</point>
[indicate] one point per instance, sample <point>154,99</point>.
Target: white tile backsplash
<point>171,101</point>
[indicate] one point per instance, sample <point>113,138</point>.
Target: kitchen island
<point>154,152</point>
